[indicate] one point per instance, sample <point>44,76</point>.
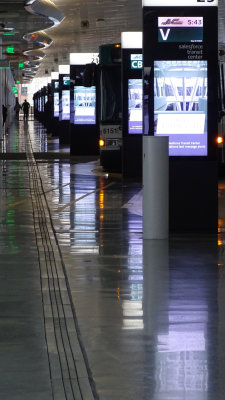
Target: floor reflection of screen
<point>180,106</point>
<point>84,105</point>
<point>65,105</point>
<point>135,106</point>
<point>56,104</point>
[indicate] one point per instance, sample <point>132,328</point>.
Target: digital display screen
<point>56,104</point>
<point>180,29</point>
<point>135,106</point>
<point>66,80</point>
<point>136,61</point>
<point>180,106</point>
<point>85,105</point>
<point>42,103</point>
<point>65,104</point>
<point>39,104</point>
<point>57,85</point>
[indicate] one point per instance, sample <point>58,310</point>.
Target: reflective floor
<point>88,310</point>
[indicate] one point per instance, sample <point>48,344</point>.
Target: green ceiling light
<point>14,89</point>
<point>10,50</point>
<point>21,65</point>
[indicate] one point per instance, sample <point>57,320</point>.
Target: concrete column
<point>155,187</point>
<point>1,91</point>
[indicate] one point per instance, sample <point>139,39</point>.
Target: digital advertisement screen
<point>135,106</point>
<point>57,85</point>
<point>180,106</point>
<point>56,104</point>
<point>42,103</point>
<point>66,80</point>
<point>85,105</point>
<point>65,104</point>
<point>136,61</point>
<point>180,29</point>
<point>39,104</point>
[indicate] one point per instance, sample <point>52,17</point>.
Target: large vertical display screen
<point>135,106</point>
<point>56,104</point>
<point>180,105</point>
<point>85,105</point>
<point>42,103</point>
<point>65,104</point>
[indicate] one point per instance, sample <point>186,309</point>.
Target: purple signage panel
<point>65,104</point>
<point>180,106</point>
<point>56,104</point>
<point>39,104</point>
<point>135,106</point>
<point>84,105</point>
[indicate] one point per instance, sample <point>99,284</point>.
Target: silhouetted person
<point>17,108</point>
<point>25,108</point>
<point>4,114</point>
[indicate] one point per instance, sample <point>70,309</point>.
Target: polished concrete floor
<point>88,309</point>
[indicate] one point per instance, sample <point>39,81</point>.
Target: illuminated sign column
<point>64,92</point>
<point>55,99</point>
<point>132,63</point>
<point>64,104</point>
<point>180,100</point>
<point>83,113</point>
<point>55,91</point>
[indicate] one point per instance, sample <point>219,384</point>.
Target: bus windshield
<point>111,104</point>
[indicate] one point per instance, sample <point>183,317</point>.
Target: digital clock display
<point>180,29</point>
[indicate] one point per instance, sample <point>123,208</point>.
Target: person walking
<point>17,108</point>
<point>4,114</point>
<point>25,108</point>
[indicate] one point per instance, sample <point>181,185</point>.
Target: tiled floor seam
<point>61,338</point>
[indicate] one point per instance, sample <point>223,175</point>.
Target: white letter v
<point>164,35</point>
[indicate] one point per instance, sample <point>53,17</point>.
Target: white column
<point>155,187</point>
<point>1,92</point>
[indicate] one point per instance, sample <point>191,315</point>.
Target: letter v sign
<point>164,35</point>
